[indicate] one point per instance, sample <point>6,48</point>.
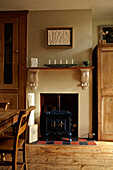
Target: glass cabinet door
<point>9,53</point>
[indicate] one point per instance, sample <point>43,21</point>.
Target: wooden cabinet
<point>13,38</point>
<point>103,91</point>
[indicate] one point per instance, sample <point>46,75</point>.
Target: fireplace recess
<point>59,103</point>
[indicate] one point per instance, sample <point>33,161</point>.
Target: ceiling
<point>100,8</point>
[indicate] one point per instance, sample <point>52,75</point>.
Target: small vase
<point>86,63</point>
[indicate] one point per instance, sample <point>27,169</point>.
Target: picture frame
<point>106,33</point>
<point>59,37</point>
<point>34,62</point>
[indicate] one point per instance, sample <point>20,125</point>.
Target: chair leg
<point>24,156</point>
<point>14,161</point>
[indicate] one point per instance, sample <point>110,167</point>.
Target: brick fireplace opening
<point>59,102</point>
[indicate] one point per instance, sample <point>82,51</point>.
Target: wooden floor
<point>65,157</point>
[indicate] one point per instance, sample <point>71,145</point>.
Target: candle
<point>60,61</point>
<point>49,61</point>
<point>66,61</point>
<point>54,61</point>
<point>72,61</point>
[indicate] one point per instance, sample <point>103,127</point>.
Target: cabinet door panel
<point>107,69</point>
<point>107,115</point>
<point>8,53</point>
<point>1,54</point>
<point>12,98</point>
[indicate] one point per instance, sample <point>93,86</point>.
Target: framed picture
<point>58,37</point>
<point>106,33</point>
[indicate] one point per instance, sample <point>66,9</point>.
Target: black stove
<point>58,123</point>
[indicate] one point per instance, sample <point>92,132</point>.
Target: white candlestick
<point>66,61</point>
<point>54,61</point>
<point>60,61</point>
<point>72,61</point>
<point>49,61</point>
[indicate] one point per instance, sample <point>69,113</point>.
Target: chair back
<point>22,125</point>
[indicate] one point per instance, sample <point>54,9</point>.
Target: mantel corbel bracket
<point>33,79</point>
<point>84,78</point>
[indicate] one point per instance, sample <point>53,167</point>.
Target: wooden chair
<point>13,144</point>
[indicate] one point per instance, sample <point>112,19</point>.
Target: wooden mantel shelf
<point>58,68</point>
<point>33,75</point>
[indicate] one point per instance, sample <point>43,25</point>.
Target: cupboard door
<point>105,93</point>
<point>9,53</point>
<point>107,118</point>
<point>12,98</point>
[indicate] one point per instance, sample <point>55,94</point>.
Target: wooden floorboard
<point>95,157</point>
<point>69,157</point>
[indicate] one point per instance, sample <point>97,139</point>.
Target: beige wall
<point>95,24</point>
<point>80,20</point>
<point>67,81</point>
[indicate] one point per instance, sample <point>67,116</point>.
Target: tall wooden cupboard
<point>103,92</point>
<point>13,47</point>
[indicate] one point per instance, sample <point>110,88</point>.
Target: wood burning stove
<point>58,123</point>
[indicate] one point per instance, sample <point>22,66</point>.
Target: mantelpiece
<point>33,75</point>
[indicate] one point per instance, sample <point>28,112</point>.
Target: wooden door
<point>105,93</point>
<point>9,53</point>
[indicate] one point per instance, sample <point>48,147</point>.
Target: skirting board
<point>33,133</point>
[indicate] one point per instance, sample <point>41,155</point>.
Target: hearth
<point>59,114</point>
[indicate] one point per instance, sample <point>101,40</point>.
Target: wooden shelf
<point>63,68</point>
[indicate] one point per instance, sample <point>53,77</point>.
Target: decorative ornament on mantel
<point>84,78</point>
<point>33,79</point>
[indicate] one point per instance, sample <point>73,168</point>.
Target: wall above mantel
<point>82,35</point>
